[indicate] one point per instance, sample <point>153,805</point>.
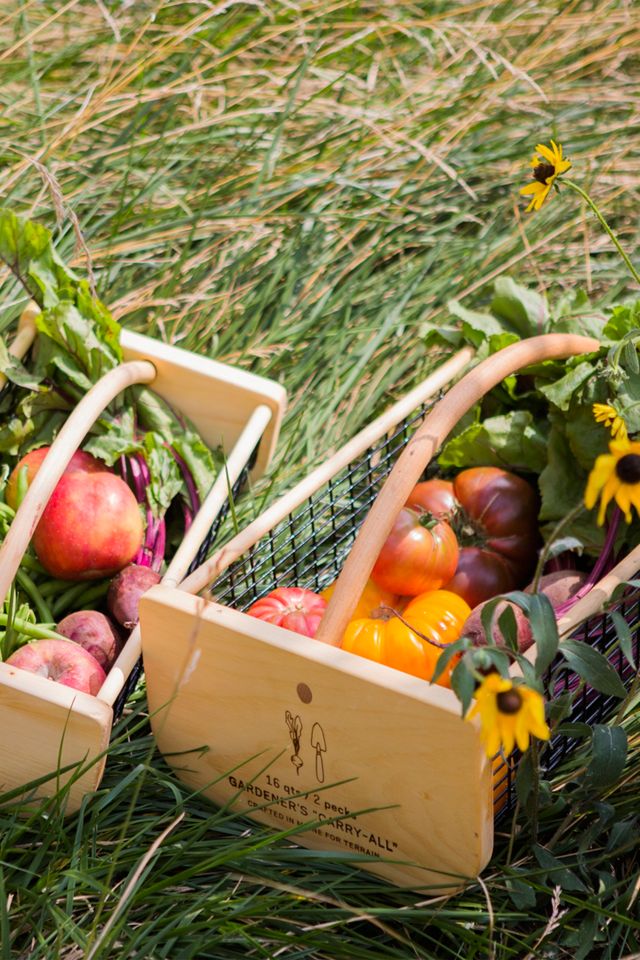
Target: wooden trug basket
<point>293,731</point>
<point>48,731</point>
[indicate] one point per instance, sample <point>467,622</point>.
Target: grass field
<point>299,188</point>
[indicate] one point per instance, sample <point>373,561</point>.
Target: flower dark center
<point>628,468</point>
<point>509,701</point>
<point>543,171</point>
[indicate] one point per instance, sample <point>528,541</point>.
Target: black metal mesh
<point>309,547</point>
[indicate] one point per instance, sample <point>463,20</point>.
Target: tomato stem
<point>395,613</point>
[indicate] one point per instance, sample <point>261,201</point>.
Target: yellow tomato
<point>372,598</point>
<point>437,616</point>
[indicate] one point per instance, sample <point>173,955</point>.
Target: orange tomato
<point>372,598</point>
<point>438,615</point>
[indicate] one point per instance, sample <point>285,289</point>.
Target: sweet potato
<point>557,586</point>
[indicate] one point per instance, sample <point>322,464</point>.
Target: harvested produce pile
<point>123,502</point>
<point>507,508</point>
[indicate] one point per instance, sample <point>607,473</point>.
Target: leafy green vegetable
<point>540,420</point>
<point>510,440</point>
<point>78,342</point>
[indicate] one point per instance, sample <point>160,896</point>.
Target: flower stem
<point>544,553</point>
<point>585,196</point>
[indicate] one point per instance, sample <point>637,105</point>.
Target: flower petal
<point>534,187</point>
<point>548,154</point>
<point>634,495</point>
<point>602,469</point>
<point>623,499</point>
<point>609,491</point>
<point>540,199</point>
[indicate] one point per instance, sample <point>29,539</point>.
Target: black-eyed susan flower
<point>509,714</point>
<point>607,414</point>
<point>615,476</point>
<point>547,165</point>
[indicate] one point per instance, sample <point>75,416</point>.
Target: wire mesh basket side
<point>309,547</point>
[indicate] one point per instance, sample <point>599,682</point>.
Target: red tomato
<point>293,608</point>
<point>420,554</point>
<point>494,514</point>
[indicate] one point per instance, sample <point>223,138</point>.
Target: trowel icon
<point>319,744</point>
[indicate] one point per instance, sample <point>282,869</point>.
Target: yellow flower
<point>605,413</point>
<point>546,168</point>
<point>615,476</point>
<point>508,714</point>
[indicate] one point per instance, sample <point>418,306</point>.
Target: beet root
<point>95,633</point>
<point>558,587</point>
<point>125,590</point>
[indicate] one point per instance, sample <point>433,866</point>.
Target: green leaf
<point>463,684</point>
<point>490,658</point>
<point>447,655</point>
<point>525,779</point>
<point>82,339</point>
<point>578,731</point>
<point>521,892</point>
<point>562,545</point>
<point>608,756</point>
<point>562,484</point>
<point>544,626</point>
<point>624,635</point>
<point>523,309</point>
<point>166,479</point>
<point>630,357</point>
<point>508,627</point>
<point>476,327</point>
<point>27,249</point>
<point>15,372</point>
<point>498,341</point>
<point>558,874</point>
<point>202,463</point>
<point>623,320</point>
<point>561,391</point>
<point>593,667</point>
<point>628,400</point>
<point>512,441</point>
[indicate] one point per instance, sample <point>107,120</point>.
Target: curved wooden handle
<point>418,453</point>
<point>62,449</point>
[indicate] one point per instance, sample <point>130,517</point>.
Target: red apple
<point>95,633</point>
<point>91,527</point>
<point>60,660</point>
<point>33,461</point>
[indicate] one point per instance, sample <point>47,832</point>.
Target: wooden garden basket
<point>46,727</point>
<point>294,731</point>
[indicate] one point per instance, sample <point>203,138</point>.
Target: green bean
<point>22,484</point>
<point>80,599</point>
<point>35,596</point>
<point>31,563</point>
<point>67,598</point>
<point>37,631</point>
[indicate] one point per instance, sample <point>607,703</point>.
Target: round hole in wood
<point>304,692</point>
